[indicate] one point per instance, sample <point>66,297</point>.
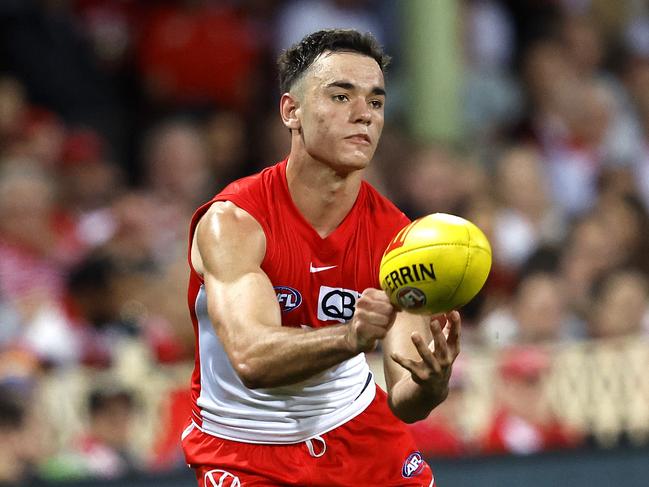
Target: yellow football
<point>435,264</point>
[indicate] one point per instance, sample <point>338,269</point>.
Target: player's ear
<point>289,108</point>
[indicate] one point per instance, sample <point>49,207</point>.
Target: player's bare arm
<point>418,356</point>
<point>227,251</point>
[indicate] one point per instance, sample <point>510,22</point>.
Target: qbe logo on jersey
<point>220,478</point>
<point>336,303</point>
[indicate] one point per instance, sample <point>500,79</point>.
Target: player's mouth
<point>362,139</point>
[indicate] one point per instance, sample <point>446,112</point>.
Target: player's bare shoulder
<point>227,237</point>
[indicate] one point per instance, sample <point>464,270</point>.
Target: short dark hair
<point>296,60</point>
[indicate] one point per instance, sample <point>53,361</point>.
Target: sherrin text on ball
<point>435,264</point>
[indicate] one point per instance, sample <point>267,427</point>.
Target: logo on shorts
<point>288,298</point>
<point>413,465</point>
<point>220,478</point>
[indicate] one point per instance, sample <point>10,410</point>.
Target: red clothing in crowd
<point>511,434</point>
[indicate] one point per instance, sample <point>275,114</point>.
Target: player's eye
<point>376,104</point>
<point>341,98</point>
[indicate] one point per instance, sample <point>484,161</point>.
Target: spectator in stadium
<point>114,300</point>
<point>296,19</point>
<point>575,123</point>
<point>90,183</point>
<point>624,216</point>
<point>35,253</point>
<point>582,44</point>
<point>135,240</point>
<point>526,218</point>
<point>586,255</point>
<point>282,392</point>
<point>226,145</point>
<point>198,53</point>
<point>437,180</point>
<point>96,310</point>
<point>41,138</point>
<point>103,450</point>
<point>620,305</point>
<point>107,443</point>
<point>24,441</point>
<point>538,314</point>
<point>523,421</point>
<point>546,75</point>
<point>13,107</point>
<point>577,156</point>
<point>636,78</point>
<point>13,468</point>
<point>177,180</point>
<point>491,94</point>
<point>43,46</point>
<point>175,162</point>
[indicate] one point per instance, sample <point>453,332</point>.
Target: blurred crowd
<point>119,117</point>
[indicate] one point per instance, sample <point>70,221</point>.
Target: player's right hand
<point>373,317</point>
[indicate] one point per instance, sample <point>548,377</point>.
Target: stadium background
<point>531,118</point>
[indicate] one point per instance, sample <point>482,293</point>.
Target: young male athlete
<point>283,295</point>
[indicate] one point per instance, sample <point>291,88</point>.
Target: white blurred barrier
<point>601,388</point>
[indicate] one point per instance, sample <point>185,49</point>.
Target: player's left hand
<point>432,370</point>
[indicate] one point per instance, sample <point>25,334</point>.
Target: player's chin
<point>351,166</point>
<point>357,160</point>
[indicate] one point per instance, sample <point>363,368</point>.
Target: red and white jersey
<point>317,282</point>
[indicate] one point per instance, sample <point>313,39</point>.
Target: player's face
<point>341,113</point>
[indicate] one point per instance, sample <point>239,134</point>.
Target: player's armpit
<point>228,250</point>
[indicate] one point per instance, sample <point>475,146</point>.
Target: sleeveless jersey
<point>317,282</point>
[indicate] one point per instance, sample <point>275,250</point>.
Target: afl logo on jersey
<point>413,465</point>
<point>288,298</point>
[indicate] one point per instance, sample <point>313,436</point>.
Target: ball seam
<point>410,249</point>
<point>466,266</point>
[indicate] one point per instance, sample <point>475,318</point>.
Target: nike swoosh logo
<point>320,269</point>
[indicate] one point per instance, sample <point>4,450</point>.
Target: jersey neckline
<point>347,221</point>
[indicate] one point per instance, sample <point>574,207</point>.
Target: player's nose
<point>361,112</point>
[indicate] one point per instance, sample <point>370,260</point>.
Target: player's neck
<point>323,196</point>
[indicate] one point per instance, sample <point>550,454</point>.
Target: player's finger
<point>368,312</point>
<point>375,296</point>
<point>441,348</point>
<point>455,330</point>
<point>424,351</point>
<point>419,372</point>
<point>378,319</point>
<point>447,325</point>
<point>406,363</point>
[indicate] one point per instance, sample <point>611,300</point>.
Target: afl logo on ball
<point>413,465</point>
<point>411,298</point>
<point>288,298</point>
<point>220,478</point>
